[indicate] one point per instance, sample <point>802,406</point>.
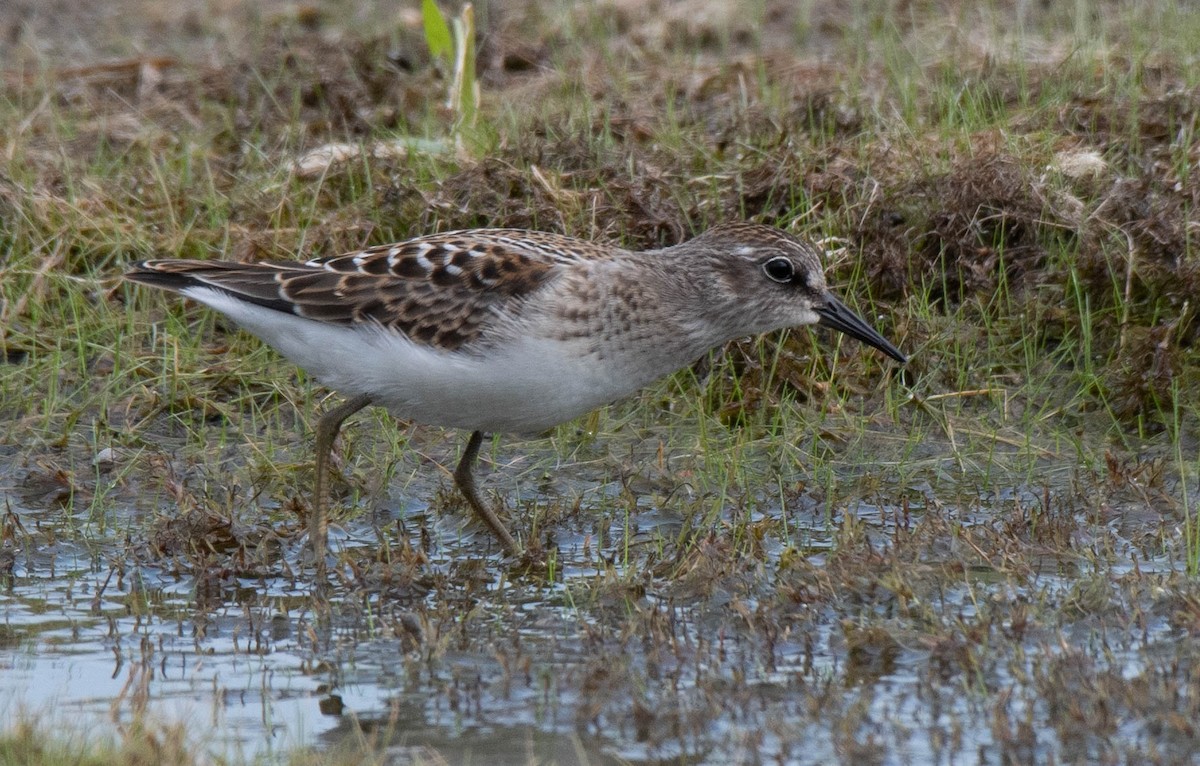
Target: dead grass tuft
<point>977,225</point>
<point>1144,379</point>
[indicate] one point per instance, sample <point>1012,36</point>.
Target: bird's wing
<point>436,290</point>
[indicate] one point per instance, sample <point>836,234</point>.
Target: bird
<point>508,330</point>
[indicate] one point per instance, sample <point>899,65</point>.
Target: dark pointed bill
<point>835,314</point>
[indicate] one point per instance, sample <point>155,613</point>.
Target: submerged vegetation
<point>792,551</point>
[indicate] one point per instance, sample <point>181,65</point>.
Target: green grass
<point>1050,316</point>
<point>26,743</point>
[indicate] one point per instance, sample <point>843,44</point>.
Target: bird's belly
<point>525,383</point>
<point>522,387</point>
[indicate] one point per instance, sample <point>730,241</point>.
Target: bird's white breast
<point>528,383</point>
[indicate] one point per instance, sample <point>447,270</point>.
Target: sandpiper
<point>503,330</point>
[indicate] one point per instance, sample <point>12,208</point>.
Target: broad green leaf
<point>464,94</point>
<point>437,33</point>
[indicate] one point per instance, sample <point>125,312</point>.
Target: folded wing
<point>436,290</point>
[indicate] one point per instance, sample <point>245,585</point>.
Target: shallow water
<point>605,663</point>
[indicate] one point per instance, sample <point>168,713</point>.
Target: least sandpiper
<point>502,330</point>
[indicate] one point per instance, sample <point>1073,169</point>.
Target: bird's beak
<point>835,314</point>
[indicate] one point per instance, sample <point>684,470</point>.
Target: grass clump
<point>30,744</point>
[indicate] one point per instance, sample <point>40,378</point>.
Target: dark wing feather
<point>252,282</point>
<point>436,290</point>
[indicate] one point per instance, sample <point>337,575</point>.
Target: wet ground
<point>847,651</point>
<point>791,553</point>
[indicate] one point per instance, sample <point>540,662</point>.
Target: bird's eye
<point>779,269</point>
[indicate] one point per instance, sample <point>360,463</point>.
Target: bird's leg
<point>466,484</point>
<point>328,428</point>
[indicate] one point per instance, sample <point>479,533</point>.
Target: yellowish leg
<point>328,428</point>
<point>466,484</point>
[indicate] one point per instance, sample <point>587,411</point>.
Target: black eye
<point>779,269</point>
